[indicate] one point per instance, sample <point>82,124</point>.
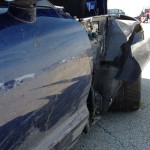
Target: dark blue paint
<point>19,128</point>
<point>40,48</point>
<point>9,84</point>
<point>39,40</point>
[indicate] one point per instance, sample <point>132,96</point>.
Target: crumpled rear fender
<point>126,48</point>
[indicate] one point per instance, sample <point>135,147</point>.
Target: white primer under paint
<point>1,84</point>
<point>25,77</point>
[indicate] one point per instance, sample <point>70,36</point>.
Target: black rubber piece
<point>91,105</point>
<point>128,97</point>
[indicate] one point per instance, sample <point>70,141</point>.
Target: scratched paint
<point>25,77</point>
<point>44,85</point>
<point>14,83</point>
<point>1,84</point>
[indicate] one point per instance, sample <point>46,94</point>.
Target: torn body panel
<point>125,47</point>
<point>119,49</point>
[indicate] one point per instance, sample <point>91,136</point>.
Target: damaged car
<point>115,12</point>
<point>63,64</point>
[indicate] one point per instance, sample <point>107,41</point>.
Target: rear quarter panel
<point>45,76</point>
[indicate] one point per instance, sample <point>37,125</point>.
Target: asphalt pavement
<point>122,131</point>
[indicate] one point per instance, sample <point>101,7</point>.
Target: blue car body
<point>45,75</point>
<point>46,72</point>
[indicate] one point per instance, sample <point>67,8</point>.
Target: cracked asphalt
<point>122,131</point>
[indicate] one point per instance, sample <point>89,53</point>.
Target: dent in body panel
<point>52,96</point>
<point>120,61</point>
<point>118,32</point>
<point>59,89</point>
<point>141,51</point>
<point>121,36</point>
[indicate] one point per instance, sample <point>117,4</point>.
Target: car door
<point>45,77</point>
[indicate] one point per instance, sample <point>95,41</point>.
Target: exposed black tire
<point>128,97</point>
<point>91,105</point>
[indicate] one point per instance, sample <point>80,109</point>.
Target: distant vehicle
<point>145,16</point>
<point>145,19</point>
<point>115,12</point>
<point>59,73</point>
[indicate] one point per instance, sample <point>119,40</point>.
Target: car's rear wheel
<point>128,97</point>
